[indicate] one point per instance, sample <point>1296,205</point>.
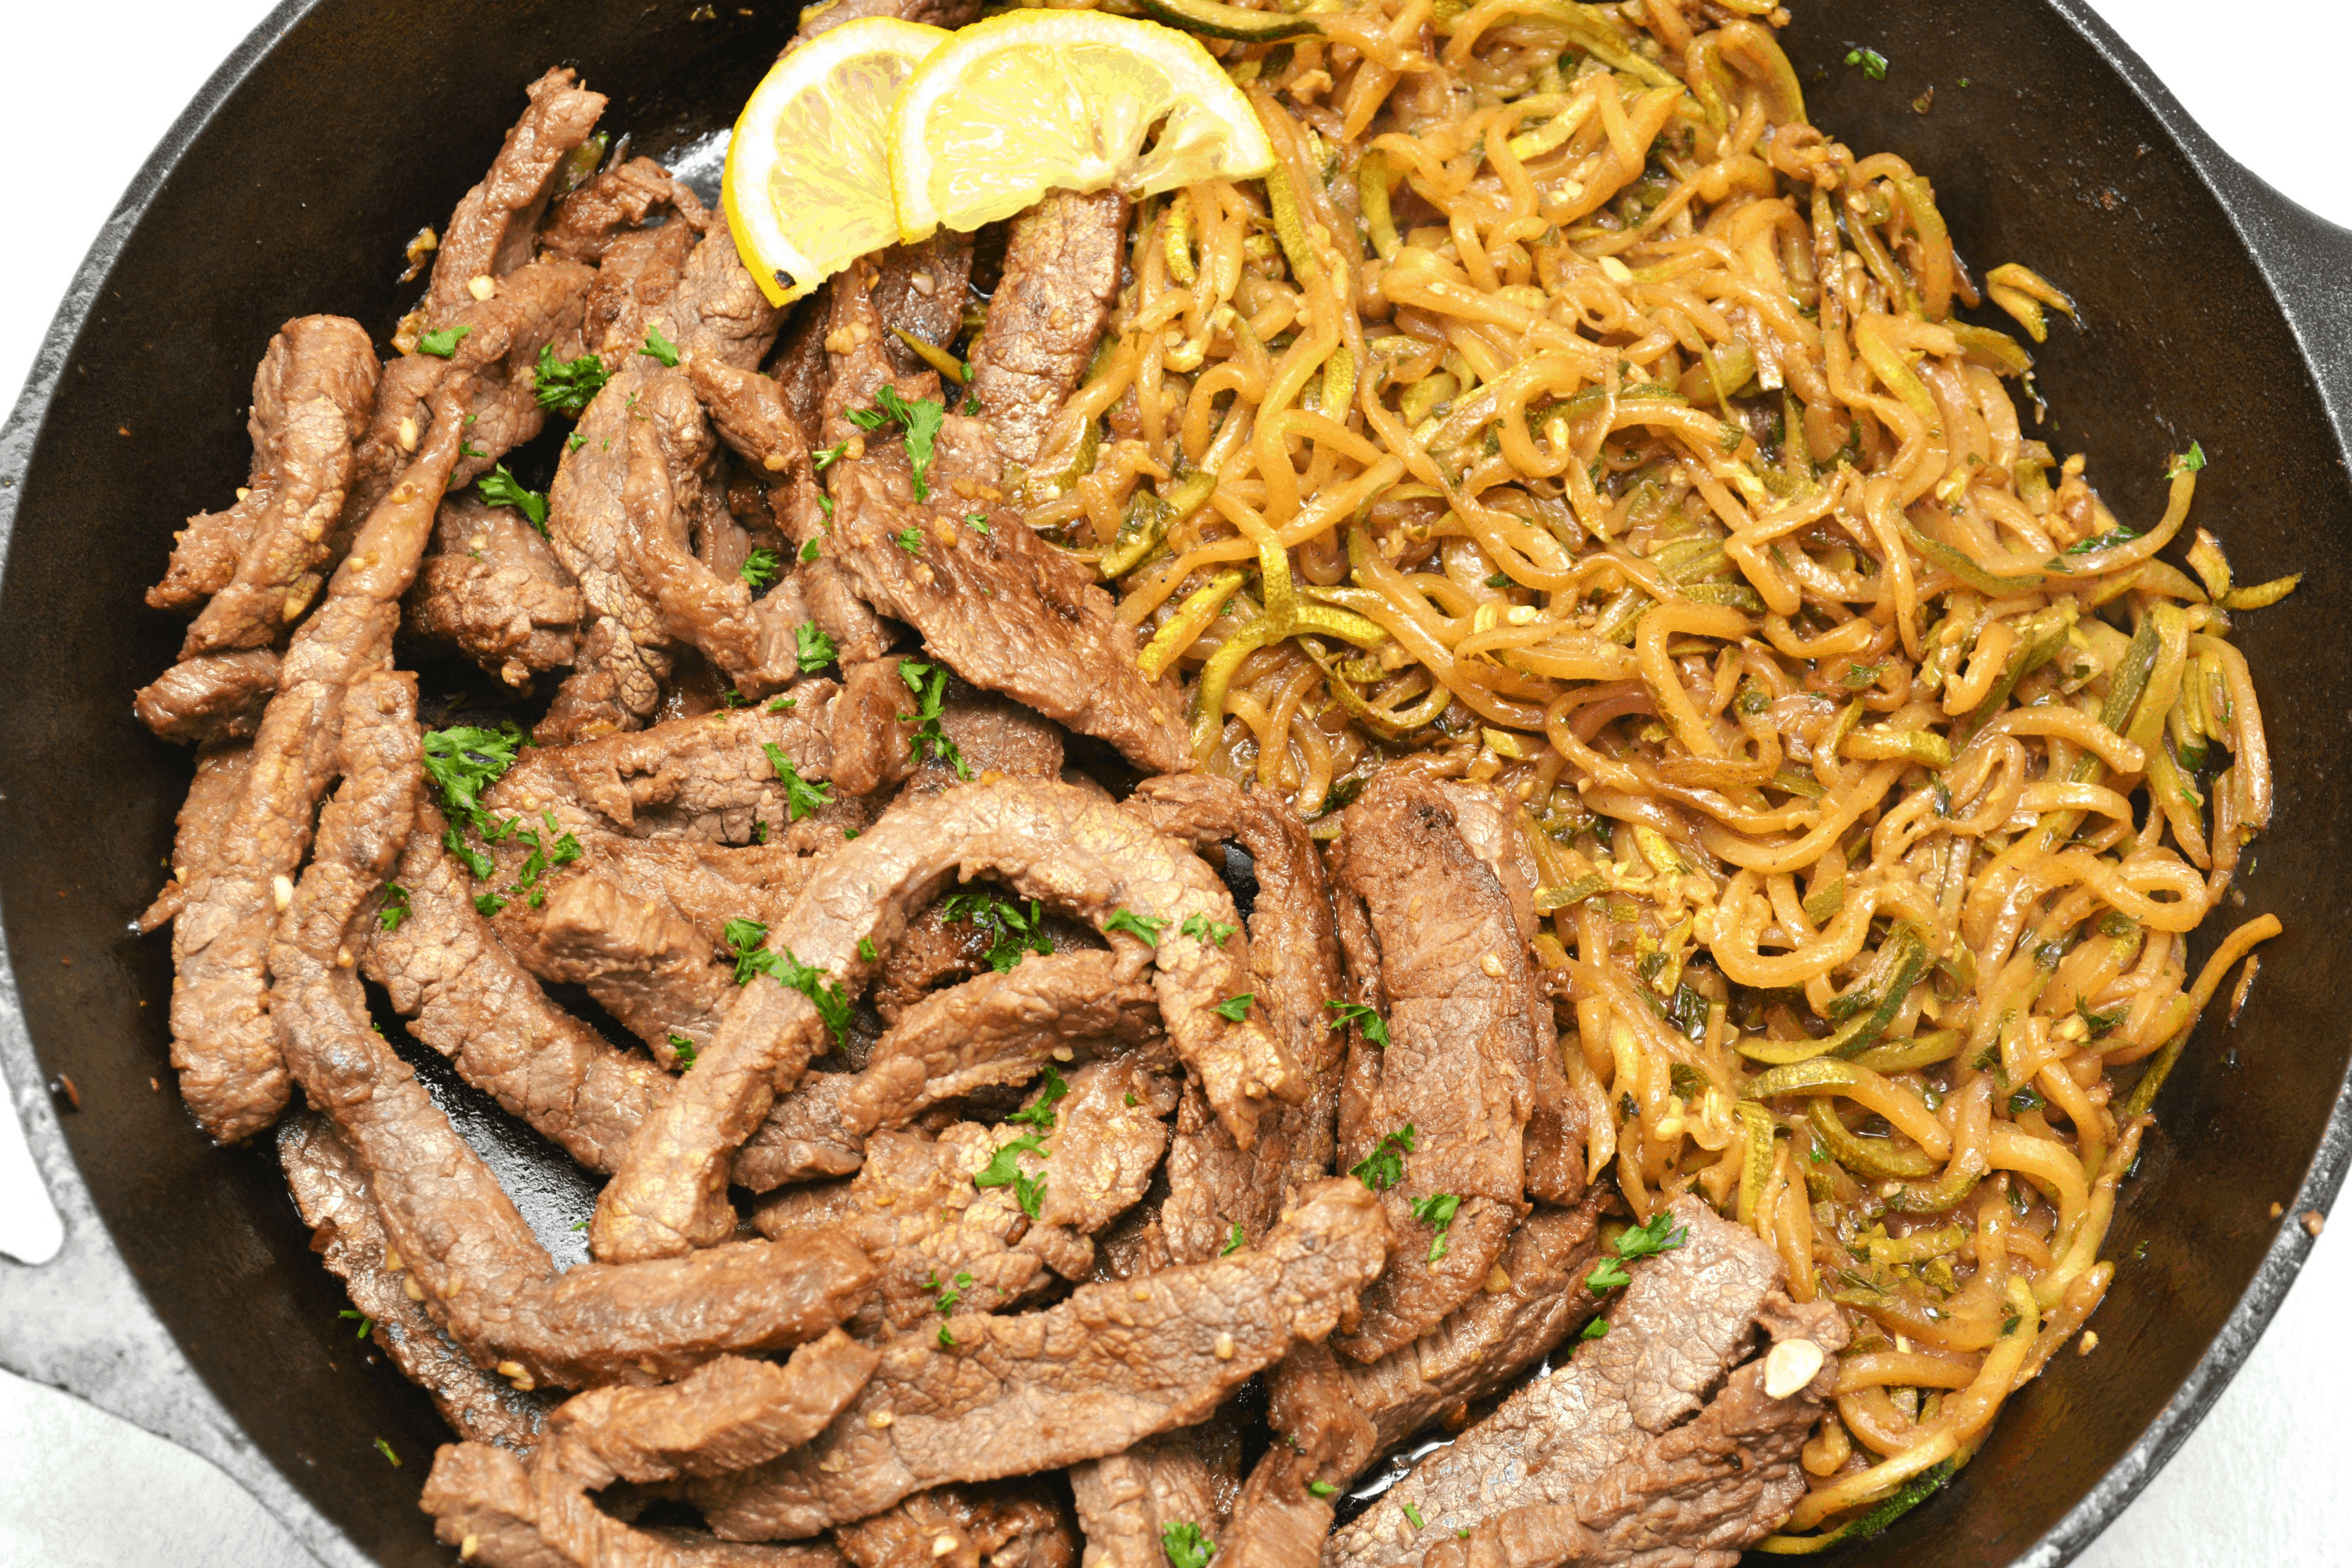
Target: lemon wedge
<point>1034,100</point>
<point>807,189</point>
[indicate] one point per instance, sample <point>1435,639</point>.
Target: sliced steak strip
<point>920,289</point>
<point>717,312</point>
<point>1009,1525</point>
<point>491,233</point>
<point>211,699</point>
<point>205,815</point>
<point>1062,265</point>
<point>1695,1497</point>
<point>224,1042</point>
<point>914,1207</point>
<point>494,589</point>
<point>1214,1184</point>
<point>586,225</point>
<point>994,602</point>
<point>1049,841</point>
<point>1454,985</point>
<point>311,398</point>
<point>1689,1316</point>
<point>614,686</point>
<point>1090,1376</point>
<point>636,275</point>
<point>482,1274</point>
<point>1188,1476</point>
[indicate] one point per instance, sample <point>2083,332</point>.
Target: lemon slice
<point>1037,101</point>
<point>807,189</point>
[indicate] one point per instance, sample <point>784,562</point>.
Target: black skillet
<point>186,1298</point>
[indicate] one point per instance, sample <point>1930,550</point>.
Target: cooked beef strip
<point>331,1192</point>
<point>1089,1376</point>
<point>491,233</point>
<point>1190,1475</point>
<point>1691,1498</point>
<point>915,1210</point>
<point>586,225</point>
<point>1214,1184</point>
<point>1049,841</point>
<point>210,698</point>
<point>1062,265</point>
<point>717,312</point>
<point>224,1042</point>
<point>1002,607</point>
<point>1277,1522</point>
<point>1008,1525</point>
<point>482,1273</point>
<point>212,797</point>
<point>1456,988</point>
<point>464,995</point>
<point>1689,1316</point>
<point>992,734</point>
<point>311,397</point>
<point>614,686</point>
<point>494,588</point>
<point>638,274</point>
<point>873,743</point>
<point>1554,1137</point>
<point>921,291</point>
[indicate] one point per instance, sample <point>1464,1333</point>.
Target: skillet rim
<point>134,1368</point>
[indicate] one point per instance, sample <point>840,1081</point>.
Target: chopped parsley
<point>1659,1234</point>
<point>395,906</point>
<point>1206,932</point>
<point>947,1339</point>
<point>1233,1009</point>
<point>781,703</point>
<point>824,458</point>
<point>929,682</point>
<point>462,762</point>
<point>488,904</point>
<point>1185,1546</point>
<point>1437,1209</point>
<point>442,344</point>
<point>1145,929</point>
<point>2189,462</point>
<point>568,386</point>
<point>832,1003</point>
<point>499,488</point>
<point>1321,1488</point>
<point>1041,1115</point>
<point>760,568</point>
<point>1372,1025</point>
<point>866,953</point>
<point>2023,1100</point>
<point>801,797</point>
<point>948,1294</point>
<point>979,520</point>
<point>659,347</point>
<point>1595,1330</point>
<point>684,1050</point>
<point>1858,676</point>
<point>1003,1170</point>
<point>921,420</point>
<point>1384,1167</point>
<point>808,550</point>
<point>910,540</point>
<point>2118,534</point>
<point>575,441</point>
<point>1873,63</point>
<point>812,647</point>
<point>1235,1241</point>
<point>1013,931</point>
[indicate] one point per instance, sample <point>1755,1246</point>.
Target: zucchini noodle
<point>1565,412</point>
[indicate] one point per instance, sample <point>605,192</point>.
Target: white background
<point>93,88</point>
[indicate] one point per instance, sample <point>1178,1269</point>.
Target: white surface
<point>110,80</point>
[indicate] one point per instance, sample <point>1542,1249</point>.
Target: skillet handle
<point>2309,261</point>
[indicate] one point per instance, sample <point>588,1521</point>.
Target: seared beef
<point>726,1415</point>
<point>491,233</point>
<point>224,1042</point>
<point>1454,986</point>
<point>1062,267</point>
<point>331,1192</point>
<point>495,589</point>
<point>717,312</point>
<point>1214,1184</point>
<point>614,686</point>
<point>638,273</point>
<point>914,1207</point>
<point>873,740</point>
<point>1090,1376</point>
<point>920,289</point>
<point>993,736</point>
<point>210,698</point>
<point>261,560</point>
<point>1554,1138</point>
<point>205,815</point>
<point>481,1273</point>
<point>1126,1501</point>
<point>1685,1320</point>
<point>586,225</point>
<point>1048,841</point>
<point>1010,1525</point>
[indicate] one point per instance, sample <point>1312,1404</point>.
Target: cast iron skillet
<point>186,1297</point>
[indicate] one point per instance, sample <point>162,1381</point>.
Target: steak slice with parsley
<point>332,1193</point>
<point>1169,1494</point>
<point>225,1044</point>
<point>1062,265</point>
<point>1047,840</point>
<point>210,699</point>
<point>1089,1376</point>
<point>496,225</point>
<point>1434,1117</point>
<point>494,590</point>
<point>636,274</point>
<point>261,561</point>
<point>981,1219</point>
